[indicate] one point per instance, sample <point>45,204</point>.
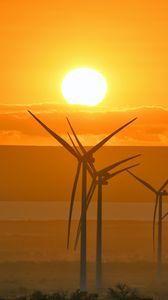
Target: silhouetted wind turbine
<point>86,158</point>
<point>83,160</point>
<point>91,161</point>
<point>158,204</point>
<point>101,178</point>
<point>87,154</point>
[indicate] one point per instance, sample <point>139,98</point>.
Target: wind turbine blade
<point>78,141</point>
<point>122,170</point>
<point>143,182</point>
<point>89,197</point>
<point>165,215</point>
<point>72,201</point>
<point>77,151</point>
<point>154,220</point>
<point>56,136</point>
<point>80,145</point>
<point>162,187</point>
<point>117,164</point>
<point>101,143</point>
<point>90,170</point>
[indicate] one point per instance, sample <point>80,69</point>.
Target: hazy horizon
<point>39,173</point>
<point>52,210</point>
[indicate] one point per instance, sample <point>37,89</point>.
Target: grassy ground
<point>22,278</point>
<point>33,256</point>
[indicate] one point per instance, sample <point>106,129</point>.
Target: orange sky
<point>126,40</point>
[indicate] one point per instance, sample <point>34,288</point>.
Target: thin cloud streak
<point>17,127</point>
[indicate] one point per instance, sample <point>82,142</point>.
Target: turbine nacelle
<point>106,176</point>
<point>102,180</point>
<point>102,177</point>
<point>163,193</point>
<point>89,158</point>
<point>105,182</point>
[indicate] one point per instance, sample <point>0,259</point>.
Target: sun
<point>84,86</point>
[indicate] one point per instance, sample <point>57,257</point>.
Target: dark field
<point>34,256</point>
<point>22,278</point>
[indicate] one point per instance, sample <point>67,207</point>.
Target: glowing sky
<point>127,41</point>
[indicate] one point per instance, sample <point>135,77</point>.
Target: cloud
<point>91,124</point>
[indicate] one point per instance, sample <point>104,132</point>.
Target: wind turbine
<point>83,161</point>
<point>90,162</point>
<point>87,154</point>
<point>158,205</point>
<point>101,178</point>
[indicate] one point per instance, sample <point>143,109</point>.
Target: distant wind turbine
<point>83,160</point>
<point>158,205</point>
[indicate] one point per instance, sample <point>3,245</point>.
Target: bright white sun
<point>84,86</point>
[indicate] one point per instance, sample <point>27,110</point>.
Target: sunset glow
<point>43,42</point>
<point>84,86</point>
<point>84,149</point>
